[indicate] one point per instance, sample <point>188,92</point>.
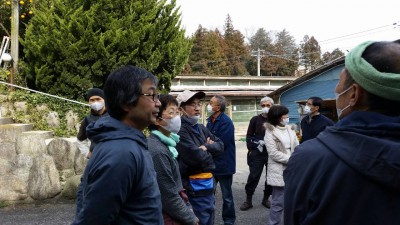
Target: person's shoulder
<point>327,119</point>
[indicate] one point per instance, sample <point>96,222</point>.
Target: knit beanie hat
<point>385,85</point>
<point>94,92</point>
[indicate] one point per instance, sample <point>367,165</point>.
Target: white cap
<point>187,95</point>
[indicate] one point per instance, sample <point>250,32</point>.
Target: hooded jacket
<point>348,174</point>
<point>119,182</point>
<point>278,155</point>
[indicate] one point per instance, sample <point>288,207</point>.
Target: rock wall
<point>35,165</point>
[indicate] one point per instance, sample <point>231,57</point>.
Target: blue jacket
<point>348,174</point>
<point>223,128</point>
<point>119,182</point>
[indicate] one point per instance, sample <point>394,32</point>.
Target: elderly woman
<point>161,144</point>
<point>280,140</point>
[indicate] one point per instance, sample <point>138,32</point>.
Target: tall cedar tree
<point>72,45</point>
<point>262,41</point>
<point>329,56</point>
<point>207,56</point>
<point>310,54</point>
<point>282,59</point>
<point>236,50</point>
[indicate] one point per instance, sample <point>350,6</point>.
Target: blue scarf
<point>170,141</point>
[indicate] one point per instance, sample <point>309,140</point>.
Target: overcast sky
<point>354,21</point>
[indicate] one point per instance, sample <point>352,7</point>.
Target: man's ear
<point>358,95</point>
<point>126,108</point>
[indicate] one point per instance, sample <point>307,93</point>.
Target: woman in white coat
<point>280,140</point>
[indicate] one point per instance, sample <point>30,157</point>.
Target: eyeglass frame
<point>154,98</point>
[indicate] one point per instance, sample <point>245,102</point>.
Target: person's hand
<point>202,147</point>
<point>197,221</point>
<point>260,146</point>
<point>209,141</point>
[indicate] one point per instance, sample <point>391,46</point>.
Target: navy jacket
<point>310,129</point>
<point>223,128</point>
<point>349,174</point>
<point>119,182</point>
<point>192,160</point>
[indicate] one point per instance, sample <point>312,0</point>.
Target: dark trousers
<point>256,161</point>
<point>204,208</point>
<point>228,206</point>
<point>79,198</point>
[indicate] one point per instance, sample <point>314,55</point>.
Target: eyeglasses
<point>196,104</point>
<point>155,96</point>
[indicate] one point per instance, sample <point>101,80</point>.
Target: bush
<point>37,115</point>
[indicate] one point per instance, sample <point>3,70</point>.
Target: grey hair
<point>221,102</point>
<point>267,99</point>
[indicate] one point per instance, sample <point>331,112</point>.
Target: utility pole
<point>14,34</point>
<point>259,56</point>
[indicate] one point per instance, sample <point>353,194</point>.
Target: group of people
<point>270,142</point>
<point>173,173</point>
<point>331,177</point>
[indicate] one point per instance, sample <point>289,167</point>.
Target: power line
<point>376,28</point>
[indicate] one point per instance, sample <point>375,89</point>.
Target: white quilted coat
<point>278,156</point>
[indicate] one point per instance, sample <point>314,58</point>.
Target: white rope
<point>54,96</point>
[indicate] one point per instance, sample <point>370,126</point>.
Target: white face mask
<point>265,110</point>
<point>307,109</point>
<point>338,110</point>
<point>97,106</point>
<point>285,121</point>
<point>173,124</point>
<point>209,109</point>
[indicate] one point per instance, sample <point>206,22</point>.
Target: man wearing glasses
<point>197,149</point>
<point>119,182</point>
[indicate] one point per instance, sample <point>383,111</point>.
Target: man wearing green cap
<point>350,173</point>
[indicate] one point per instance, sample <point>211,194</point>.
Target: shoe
<point>245,206</point>
<point>266,203</point>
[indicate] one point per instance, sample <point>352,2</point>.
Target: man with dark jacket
<point>314,122</point>
<point>257,155</point>
<point>349,173</point>
<point>119,182</point>
<point>225,165</point>
<point>197,149</point>
<point>95,97</point>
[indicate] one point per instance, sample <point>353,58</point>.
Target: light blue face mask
<point>193,119</point>
<point>340,111</point>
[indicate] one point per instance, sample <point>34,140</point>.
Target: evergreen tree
<point>329,56</point>
<point>262,41</point>
<point>236,51</point>
<point>310,53</point>
<point>282,60</point>
<point>72,45</point>
<point>207,55</point>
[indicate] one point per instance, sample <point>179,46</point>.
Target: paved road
<point>61,212</point>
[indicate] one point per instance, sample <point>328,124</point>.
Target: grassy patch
<point>3,204</point>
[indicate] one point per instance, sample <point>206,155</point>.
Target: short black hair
<point>275,113</point>
<point>316,101</point>
<point>123,87</point>
<point>165,100</point>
